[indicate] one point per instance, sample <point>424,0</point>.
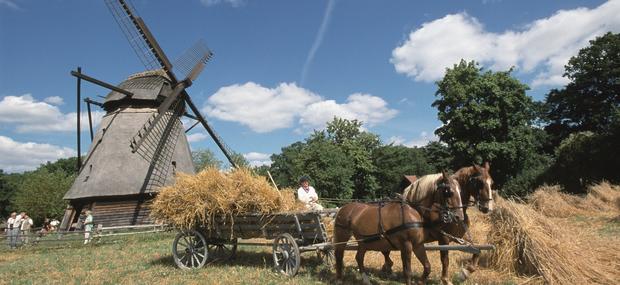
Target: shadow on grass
<point>311,265</point>
<point>166,261</point>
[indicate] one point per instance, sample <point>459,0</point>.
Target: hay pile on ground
<point>549,201</point>
<point>197,199</point>
<point>528,243</point>
<point>602,197</point>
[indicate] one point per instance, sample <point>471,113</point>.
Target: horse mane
<point>422,188</point>
<point>463,174</point>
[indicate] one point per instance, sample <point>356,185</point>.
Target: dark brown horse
<point>475,182</point>
<point>396,225</point>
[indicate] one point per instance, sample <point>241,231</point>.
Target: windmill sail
<point>118,182</point>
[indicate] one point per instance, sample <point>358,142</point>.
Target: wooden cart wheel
<point>286,257</point>
<point>327,256</point>
<point>221,251</point>
<point>189,250</point>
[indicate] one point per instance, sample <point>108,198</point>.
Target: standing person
<point>307,195</point>
<point>25,228</point>
<point>80,222</point>
<point>17,225</point>
<point>88,226</point>
<point>12,231</point>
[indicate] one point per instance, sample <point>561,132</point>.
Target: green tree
<point>328,167</point>
<point>589,101</point>
<point>358,146</point>
<point>66,165</point>
<point>286,167</point>
<point>486,117</point>
<point>262,171</point>
<point>239,160</point>
<point>344,159</point>
<point>203,158</point>
<point>40,194</point>
<point>438,156</point>
<point>7,192</point>
<point>393,162</point>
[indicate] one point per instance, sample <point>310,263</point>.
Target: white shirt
<point>307,197</point>
<point>17,223</point>
<point>10,223</point>
<point>26,224</point>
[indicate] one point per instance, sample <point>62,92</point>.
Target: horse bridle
<point>446,213</point>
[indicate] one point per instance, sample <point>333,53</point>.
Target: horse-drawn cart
<point>292,234</point>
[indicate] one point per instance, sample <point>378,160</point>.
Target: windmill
<point>140,143</point>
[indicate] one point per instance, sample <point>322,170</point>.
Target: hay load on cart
<point>214,211</point>
<point>199,199</point>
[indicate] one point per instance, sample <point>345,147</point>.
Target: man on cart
<point>307,195</point>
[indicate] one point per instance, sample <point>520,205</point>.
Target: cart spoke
<point>182,243</point>
<point>202,256</point>
<point>291,263</point>
<point>187,242</point>
<point>186,260</point>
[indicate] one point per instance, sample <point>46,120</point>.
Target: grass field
<point>147,259</point>
<point>143,259</point>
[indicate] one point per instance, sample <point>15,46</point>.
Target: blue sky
<point>281,68</point>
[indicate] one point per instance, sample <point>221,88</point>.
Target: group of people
<point>18,229</point>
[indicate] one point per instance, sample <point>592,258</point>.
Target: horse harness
<point>446,215</point>
<point>385,234</point>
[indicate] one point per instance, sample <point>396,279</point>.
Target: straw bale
<point>197,199</point>
<point>528,243</point>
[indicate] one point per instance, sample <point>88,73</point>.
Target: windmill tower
<point>140,143</point>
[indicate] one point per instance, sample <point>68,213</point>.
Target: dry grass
<point>602,198</point>
<point>549,201</point>
<point>532,244</point>
<point>197,199</point>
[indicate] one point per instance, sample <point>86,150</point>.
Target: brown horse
<point>475,182</point>
<point>386,226</point>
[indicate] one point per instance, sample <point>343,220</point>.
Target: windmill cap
<point>153,72</point>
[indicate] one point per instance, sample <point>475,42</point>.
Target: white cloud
<point>541,47</point>
<point>234,3</point>
<point>30,115</point>
<point>318,40</point>
<point>257,158</point>
<point>54,100</point>
<point>267,109</point>
<point>420,141</point>
<point>10,4</point>
<point>261,109</point>
<point>196,137</point>
<point>364,107</point>
<point>19,156</point>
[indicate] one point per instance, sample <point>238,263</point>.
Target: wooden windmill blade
<point>139,37</point>
<point>155,134</point>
